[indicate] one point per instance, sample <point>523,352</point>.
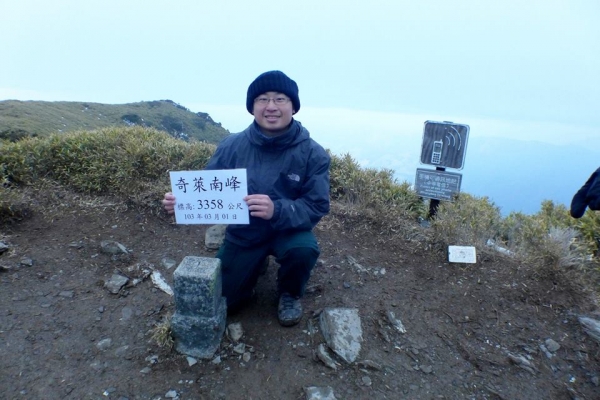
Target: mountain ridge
<point>20,119</point>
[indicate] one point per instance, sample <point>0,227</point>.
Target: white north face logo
<point>294,177</point>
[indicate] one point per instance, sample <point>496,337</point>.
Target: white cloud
<point>371,135</point>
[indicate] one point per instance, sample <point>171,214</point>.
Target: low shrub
<point>13,205</point>
<point>372,188</point>
<point>467,221</point>
<point>551,238</point>
<point>111,161</point>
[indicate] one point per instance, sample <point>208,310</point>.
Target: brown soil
<point>462,321</point>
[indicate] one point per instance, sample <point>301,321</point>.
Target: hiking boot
<point>289,311</point>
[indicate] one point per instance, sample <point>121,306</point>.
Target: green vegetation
<point>371,188</point>
<point>132,164</point>
<point>20,119</point>
<point>550,241</point>
<point>128,162</point>
<point>468,221</point>
<point>162,335</point>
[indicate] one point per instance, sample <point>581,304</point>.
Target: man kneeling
<point>288,186</point>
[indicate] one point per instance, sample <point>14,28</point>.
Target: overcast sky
<point>367,70</point>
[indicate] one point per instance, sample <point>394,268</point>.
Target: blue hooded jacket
<point>587,196</point>
<point>292,169</point>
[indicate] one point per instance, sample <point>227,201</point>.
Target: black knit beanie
<point>273,81</point>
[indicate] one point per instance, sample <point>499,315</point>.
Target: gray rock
<point>395,321</point>
<point>342,330</point>
<point>319,393</point>
<point>552,346</point>
<point>325,358</point>
<point>104,344</point>
<point>591,327</point>
<point>3,247</point>
<point>239,348</point>
<point>97,366</point>
<point>153,359</point>
<point>112,247</point>
<point>214,236</point>
<point>168,262</point>
<point>235,331</point>
<point>359,268</point>
<point>370,364</point>
<point>122,351</point>
<point>545,351</point>
<point>126,313</point>
<point>171,394</point>
<point>66,293</point>
<point>426,369</point>
<point>161,283</point>
<point>191,361</point>
<point>523,362</point>
<point>115,283</point>
<point>27,262</point>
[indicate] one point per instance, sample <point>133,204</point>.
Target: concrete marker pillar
<point>200,310</point>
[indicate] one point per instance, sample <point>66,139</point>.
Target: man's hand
<point>260,205</point>
<point>169,203</point>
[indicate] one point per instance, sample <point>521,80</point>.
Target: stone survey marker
<point>200,310</point>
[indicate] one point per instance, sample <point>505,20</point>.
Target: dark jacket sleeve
<point>593,194</point>
<point>313,203</point>
<point>588,195</point>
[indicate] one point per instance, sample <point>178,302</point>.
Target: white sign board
<point>210,196</point>
<point>462,254</point>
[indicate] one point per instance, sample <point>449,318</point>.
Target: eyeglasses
<point>263,100</point>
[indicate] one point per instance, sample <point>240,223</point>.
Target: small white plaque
<point>462,254</point>
<point>210,196</point>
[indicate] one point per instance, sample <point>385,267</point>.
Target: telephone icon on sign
<point>436,155</point>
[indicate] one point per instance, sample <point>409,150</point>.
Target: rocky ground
<point>491,330</point>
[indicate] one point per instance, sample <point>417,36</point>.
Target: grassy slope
<point>41,118</point>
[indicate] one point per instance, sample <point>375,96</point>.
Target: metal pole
<point>434,203</point>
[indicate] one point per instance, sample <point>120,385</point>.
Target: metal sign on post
<point>444,144</point>
<point>438,185</point>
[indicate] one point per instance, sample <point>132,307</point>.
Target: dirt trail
<point>473,331</point>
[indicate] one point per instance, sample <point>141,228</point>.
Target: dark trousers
<point>296,253</point>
